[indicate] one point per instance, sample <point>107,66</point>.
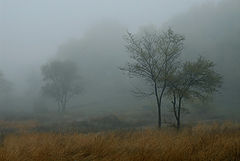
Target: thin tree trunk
<point>159,115</point>
<point>174,106</point>
<point>159,105</point>
<point>159,102</point>
<point>178,123</point>
<point>59,106</point>
<point>62,104</point>
<point>179,113</point>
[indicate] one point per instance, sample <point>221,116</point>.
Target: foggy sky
<point>32,30</point>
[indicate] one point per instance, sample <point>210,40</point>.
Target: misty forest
<point>120,80</point>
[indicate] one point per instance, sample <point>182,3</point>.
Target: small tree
<point>194,80</point>
<point>62,81</point>
<point>154,56</point>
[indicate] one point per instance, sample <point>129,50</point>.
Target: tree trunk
<point>158,105</point>
<point>159,115</point>
<point>64,106</point>
<point>62,103</point>
<point>160,102</point>
<point>179,113</point>
<point>174,106</point>
<point>178,123</point>
<point>59,106</point>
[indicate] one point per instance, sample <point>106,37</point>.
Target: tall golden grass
<point>18,125</point>
<point>203,142</point>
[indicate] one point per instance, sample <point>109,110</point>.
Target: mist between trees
<point>188,71</point>
<point>155,59</point>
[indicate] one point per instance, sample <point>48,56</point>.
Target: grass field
<point>203,142</point>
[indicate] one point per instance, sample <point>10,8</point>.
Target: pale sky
<point>32,30</point>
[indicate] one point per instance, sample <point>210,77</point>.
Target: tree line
<point>155,57</point>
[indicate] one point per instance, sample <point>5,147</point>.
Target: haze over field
<point>31,31</point>
<point>90,33</point>
<point>101,80</point>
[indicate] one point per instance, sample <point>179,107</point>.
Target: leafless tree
<point>62,81</point>
<point>154,58</point>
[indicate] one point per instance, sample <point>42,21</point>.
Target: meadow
<point>201,142</point>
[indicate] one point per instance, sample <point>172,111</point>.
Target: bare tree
<point>194,80</point>
<point>154,56</point>
<point>62,81</point>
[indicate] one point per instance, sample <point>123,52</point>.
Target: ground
<point>215,142</point>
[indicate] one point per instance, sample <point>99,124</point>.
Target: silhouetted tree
<point>194,80</point>
<point>62,81</point>
<point>154,56</point>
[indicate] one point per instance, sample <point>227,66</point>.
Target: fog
<point>90,33</point>
<point>212,30</point>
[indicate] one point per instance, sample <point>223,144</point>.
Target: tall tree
<point>62,81</point>
<point>153,58</point>
<point>194,80</point>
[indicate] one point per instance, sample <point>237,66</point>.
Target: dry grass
<point>201,143</point>
<point>18,125</point>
